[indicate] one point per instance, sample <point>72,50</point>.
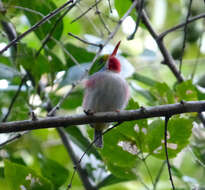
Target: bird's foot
<point>117,110</point>
<point>89,112</point>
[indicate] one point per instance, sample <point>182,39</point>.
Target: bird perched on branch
<point>105,91</point>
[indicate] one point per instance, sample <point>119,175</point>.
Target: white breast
<point>108,92</point>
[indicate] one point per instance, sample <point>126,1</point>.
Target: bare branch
<point>31,11</point>
<point>77,164</point>
<point>192,19</point>
<point>112,34</point>
<point>14,98</point>
<point>110,6</point>
<point>65,121</point>
<point>84,13</point>
<point>166,151</point>
<point>53,111</point>
<point>140,8</point>
<point>35,26</point>
<point>185,35</point>
<point>159,175</point>
<point>48,36</point>
<point>101,18</point>
<point>81,172</point>
<point>169,61</point>
<point>11,139</point>
<point>66,51</point>
<point>84,41</point>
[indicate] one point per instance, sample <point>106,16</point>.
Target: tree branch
<point>166,151</point>
<point>81,172</point>
<point>185,36</point>
<point>192,19</point>
<point>14,98</point>
<point>114,31</point>
<point>35,26</point>
<point>80,119</point>
<point>169,61</point>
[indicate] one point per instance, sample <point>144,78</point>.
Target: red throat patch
<point>114,64</point>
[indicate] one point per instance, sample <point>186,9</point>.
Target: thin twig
<point>84,13</point>
<point>84,41</point>
<point>168,59</point>
<point>82,172</point>
<point>66,51</point>
<point>17,136</point>
<point>53,111</point>
<point>166,151</point>
<point>159,175</point>
<point>125,115</point>
<point>140,8</point>
<point>110,6</point>
<point>172,29</point>
<point>85,152</point>
<point>196,60</point>
<point>35,26</point>
<point>31,11</point>
<point>48,36</point>
<point>143,159</point>
<point>14,98</point>
<point>114,32</point>
<point>101,18</point>
<point>185,36</point>
<point>97,30</point>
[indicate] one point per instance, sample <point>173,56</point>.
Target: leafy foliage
<point>19,176</point>
<point>133,151</point>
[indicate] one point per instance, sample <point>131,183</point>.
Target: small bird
<point>105,91</point>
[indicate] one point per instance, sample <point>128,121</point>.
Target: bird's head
<point>113,63</point>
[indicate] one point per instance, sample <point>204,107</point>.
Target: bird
<point>105,91</point>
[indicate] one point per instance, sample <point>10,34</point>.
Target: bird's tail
<point>98,138</point>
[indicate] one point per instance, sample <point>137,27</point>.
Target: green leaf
<point>19,176</point>
<point>122,7</point>
<point>1,172</point>
<point>120,157</point>
<point>143,79</point>
<point>98,65</point>
<point>132,105</point>
<point>139,92</point>
<point>44,7</point>
<point>79,139</point>
<point>54,61</point>
<point>125,173</point>
<point>80,54</point>
<point>5,60</point>
<point>53,171</point>
<point>163,93</point>
<point>186,91</point>
<point>110,180</point>
<point>74,100</point>
<point>179,131</point>
<point>37,65</point>
<point>136,133</point>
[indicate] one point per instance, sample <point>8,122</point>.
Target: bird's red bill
<point>116,48</point>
